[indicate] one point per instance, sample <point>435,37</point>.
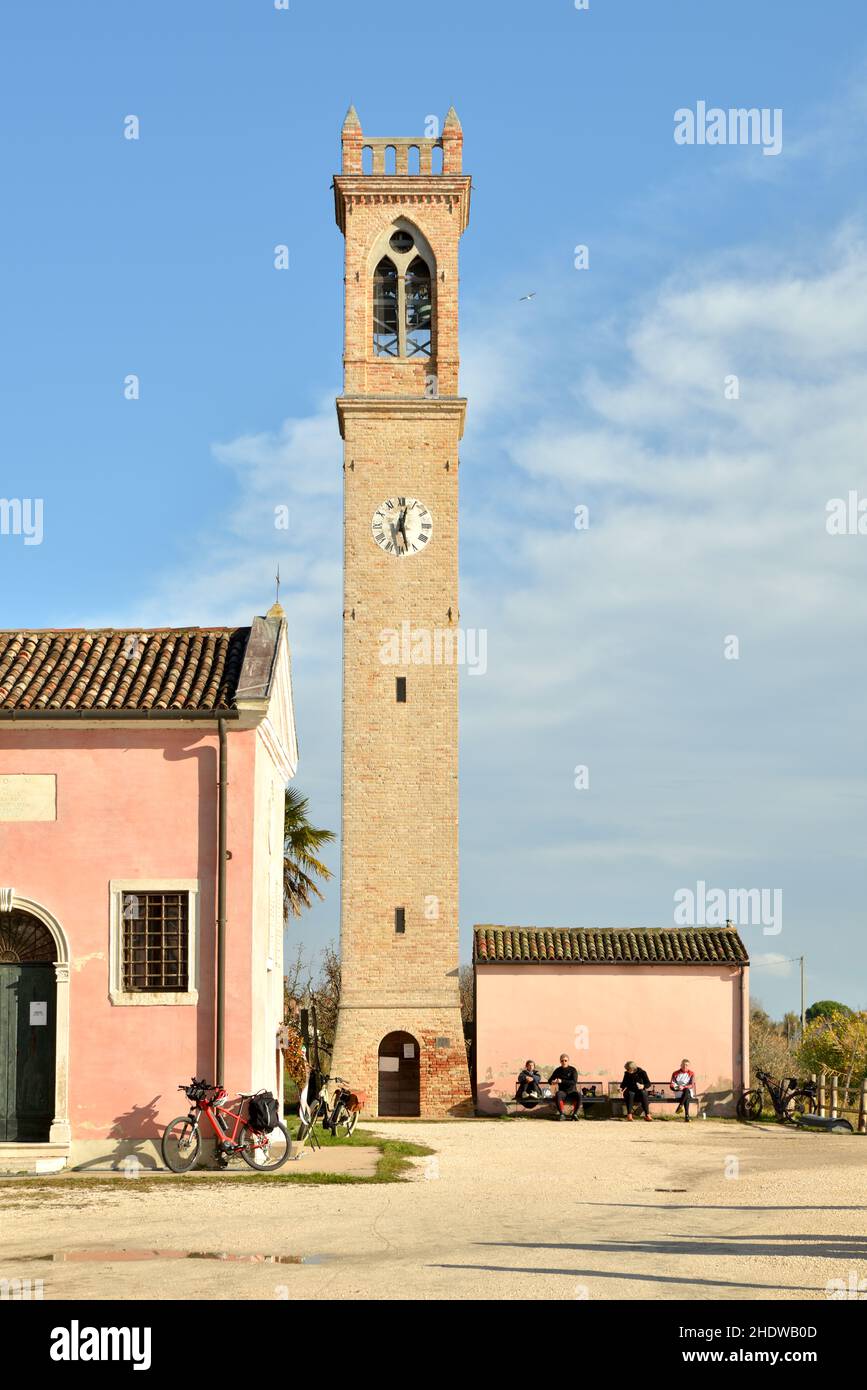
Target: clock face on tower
<point>402,526</point>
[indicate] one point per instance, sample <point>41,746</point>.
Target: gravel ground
<point>505,1210</point>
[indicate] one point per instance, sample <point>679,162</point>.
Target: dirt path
<point>508,1210</point>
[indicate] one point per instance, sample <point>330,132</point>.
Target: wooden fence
<point>835,1099</point>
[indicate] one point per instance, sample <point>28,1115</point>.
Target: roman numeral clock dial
<point>402,526</point>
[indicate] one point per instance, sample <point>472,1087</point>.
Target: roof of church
<point>675,945</point>
<point>178,670</point>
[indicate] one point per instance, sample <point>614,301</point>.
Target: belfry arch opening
<point>386,338</point>
<point>404,279</point>
<point>418,308</point>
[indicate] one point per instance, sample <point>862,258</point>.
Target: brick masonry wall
<point>400,761</point>
<point>444,1074</point>
<point>438,216</point>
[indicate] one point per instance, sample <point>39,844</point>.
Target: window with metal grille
<point>155,942</point>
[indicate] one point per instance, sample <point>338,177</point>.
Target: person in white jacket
<point>683,1084</point>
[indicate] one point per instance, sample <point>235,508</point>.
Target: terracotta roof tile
<point>195,669</point>
<point>677,945</point>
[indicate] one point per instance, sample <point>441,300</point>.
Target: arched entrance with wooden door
<point>399,1075</point>
<point>28,1028</point>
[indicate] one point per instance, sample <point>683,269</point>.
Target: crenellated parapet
<point>410,170</point>
<point>412,156</point>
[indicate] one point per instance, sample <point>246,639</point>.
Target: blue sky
<point>605,647</point>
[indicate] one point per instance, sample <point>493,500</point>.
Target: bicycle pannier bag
<point>262,1113</point>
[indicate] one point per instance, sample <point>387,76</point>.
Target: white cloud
<point>606,646</point>
<point>303,456</point>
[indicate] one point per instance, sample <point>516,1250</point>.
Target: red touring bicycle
<point>182,1141</point>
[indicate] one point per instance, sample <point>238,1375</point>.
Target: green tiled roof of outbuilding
<point>580,946</point>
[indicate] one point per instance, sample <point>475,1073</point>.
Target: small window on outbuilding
<point>400,690</point>
<point>400,920</point>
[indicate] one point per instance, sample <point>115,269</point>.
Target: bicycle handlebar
<point>199,1088</point>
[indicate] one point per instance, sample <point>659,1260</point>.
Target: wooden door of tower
<point>399,1075</point>
<point>27,1032</point>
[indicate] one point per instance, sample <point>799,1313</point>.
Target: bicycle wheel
<point>799,1103</point>
<point>344,1121</point>
<point>265,1152</point>
<point>750,1106</point>
<point>180,1144</point>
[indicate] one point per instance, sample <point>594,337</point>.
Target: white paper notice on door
<point>39,1013</point>
<point>389,1064</point>
<point>409,1049</point>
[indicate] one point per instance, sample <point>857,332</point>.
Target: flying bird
<point>527,296</point>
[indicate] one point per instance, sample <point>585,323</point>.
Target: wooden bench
<point>660,1093</point>
<point>516,1107</point>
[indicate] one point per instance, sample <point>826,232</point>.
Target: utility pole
<point>803,998</point>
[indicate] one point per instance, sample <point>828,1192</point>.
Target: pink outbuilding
<point>607,997</point>
<point>142,782</point>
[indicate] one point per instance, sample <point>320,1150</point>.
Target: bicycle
<point>182,1141</point>
<point>339,1114</point>
<point>344,1114</point>
<point>788,1098</point>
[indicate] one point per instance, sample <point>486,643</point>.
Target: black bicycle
<point>789,1098</point>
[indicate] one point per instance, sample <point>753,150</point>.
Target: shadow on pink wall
<point>130,1140</point>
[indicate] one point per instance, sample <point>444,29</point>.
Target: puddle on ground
<point>119,1256</point>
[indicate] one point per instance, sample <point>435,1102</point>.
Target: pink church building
<point>142,781</point>
<point>607,997</point>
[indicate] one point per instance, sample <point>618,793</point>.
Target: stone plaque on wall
<point>28,796</point>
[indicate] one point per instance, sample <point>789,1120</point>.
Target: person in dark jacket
<point>635,1087</point>
<point>529,1089</point>
<point>566,1079</point>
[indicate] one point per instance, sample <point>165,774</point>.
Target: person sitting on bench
<point>529,1090</point>
<point>566,1078</point>
<point>683,1084</point>
<point>635,1086</point>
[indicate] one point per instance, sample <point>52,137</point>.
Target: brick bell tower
<point>399,1032</point>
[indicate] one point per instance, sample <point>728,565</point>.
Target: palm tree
<point>301,845</point>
